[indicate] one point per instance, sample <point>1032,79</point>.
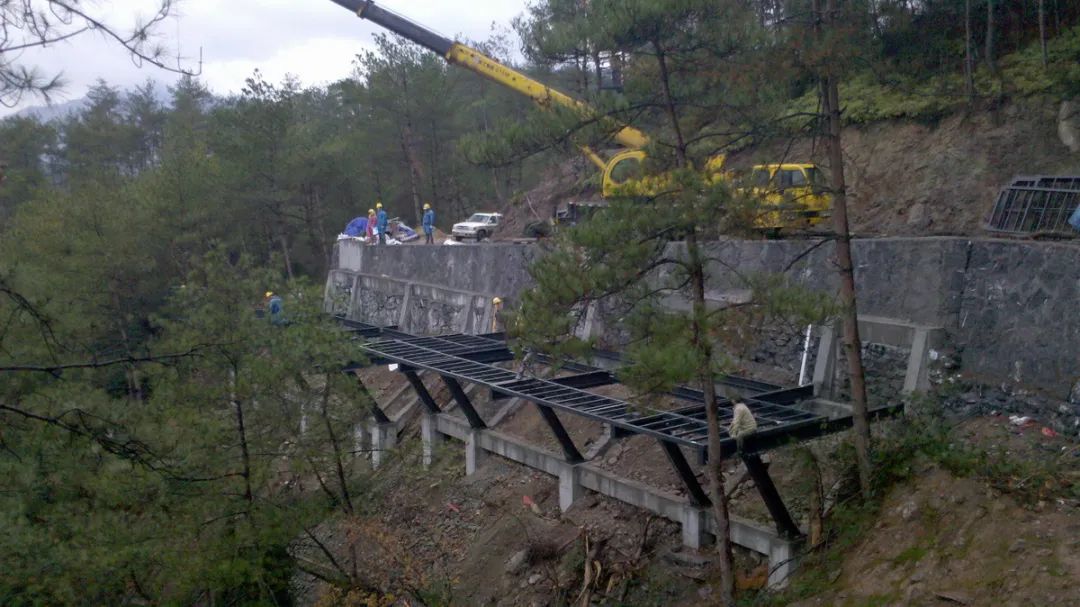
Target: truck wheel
<point>481,235</point>
<point>457,239</point>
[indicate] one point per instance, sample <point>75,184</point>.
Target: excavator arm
<point>479,63</point>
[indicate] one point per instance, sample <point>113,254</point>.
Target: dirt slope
<point>946,540</point>
<point>905,177</point>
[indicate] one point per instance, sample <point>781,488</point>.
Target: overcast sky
<point>314,40</point>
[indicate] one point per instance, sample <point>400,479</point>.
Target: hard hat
<point>427,206</point>
<point>496,301</point>
<point>378,205</point>
<point>371,211</point>
<point>269,294</point>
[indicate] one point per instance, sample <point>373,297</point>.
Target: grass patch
<point>913,554</point>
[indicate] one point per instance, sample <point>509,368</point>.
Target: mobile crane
<point>620,168</point>
<point>624,166</point>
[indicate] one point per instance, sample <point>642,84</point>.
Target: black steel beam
<point>494,355</point>
<point>421,391</point>
<point>771,438</point>
<point>571,452</point>
<point>785,526</point>
<point>475,421</point>
<point>774,394</point>
<point>686,473</point>
<point>376,410</point>
<point>587,380</point>
<point>779,424</point>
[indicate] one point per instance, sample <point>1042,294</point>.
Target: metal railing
<point>1039,204</point>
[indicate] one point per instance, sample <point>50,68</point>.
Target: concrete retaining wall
<point>1011,309</point>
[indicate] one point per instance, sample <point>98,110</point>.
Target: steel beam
<point>376,410</point>
<point>686,473</point>
<point>493,355</point>
<point>785,526</point>
<point>421,391</point>
<point>571,452</point>
<point>587,380</point>
<point>475,421</point>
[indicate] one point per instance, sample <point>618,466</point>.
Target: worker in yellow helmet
<point>274,307</point>
<point>496,313</point>
<point>429,224</point>
<point>371,226</point>
<point>381,222</point>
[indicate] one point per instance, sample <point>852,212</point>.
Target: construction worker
<point>496,314</point>
<point>371,226</point>
<point>429,224</point>
<point>381,222</point>
<point>742,424</point>
<point>275,307</point>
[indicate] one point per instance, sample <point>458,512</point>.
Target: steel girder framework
<point>469,358</point>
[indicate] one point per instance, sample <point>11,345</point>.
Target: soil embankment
<point>905,177</point>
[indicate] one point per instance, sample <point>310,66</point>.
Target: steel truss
<point>470,358</point>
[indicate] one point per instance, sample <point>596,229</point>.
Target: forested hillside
<point>162,443</point>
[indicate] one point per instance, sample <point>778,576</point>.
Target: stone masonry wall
<point>1010,308</point>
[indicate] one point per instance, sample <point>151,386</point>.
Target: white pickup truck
<point>479,226</point>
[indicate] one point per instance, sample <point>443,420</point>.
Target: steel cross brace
<point>785,526</point>
<point>376,410</point>
<point>571,452</point>
<point>475,421</point>
<point>686,473</point>
<point>421,391</point>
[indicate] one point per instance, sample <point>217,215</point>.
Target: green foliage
<point>873,96</point>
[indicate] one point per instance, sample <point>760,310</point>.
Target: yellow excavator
<point>621,172</point>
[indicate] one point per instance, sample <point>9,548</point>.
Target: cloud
<point>314,40</point>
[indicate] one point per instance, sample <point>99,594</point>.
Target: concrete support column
<point>360,440</point>
<point>431,436</point>
<point>917,378</point>
<point>570,489</point>
<point>825,363</point>
<point>782,563</point>
<point>474,453</point>
<point>693,527</point>
<point>383,438</point>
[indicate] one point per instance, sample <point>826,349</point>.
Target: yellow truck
<point>793,195</point>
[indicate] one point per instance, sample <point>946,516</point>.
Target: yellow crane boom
<point>618,169</point>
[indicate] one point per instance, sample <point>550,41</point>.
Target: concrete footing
<point>383,438</point>
<point>360,440</point>
<point>694,521</point>
<point>570,489</point>
<point>431,437</point>
<point>698,527</point>
<point>886,331</point>
<point>474,453</point>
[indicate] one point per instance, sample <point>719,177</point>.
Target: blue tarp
<point>357,227</point>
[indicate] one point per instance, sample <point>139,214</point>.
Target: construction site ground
<point>936,538</point>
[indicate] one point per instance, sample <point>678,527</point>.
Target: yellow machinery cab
<point>792,195</point>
